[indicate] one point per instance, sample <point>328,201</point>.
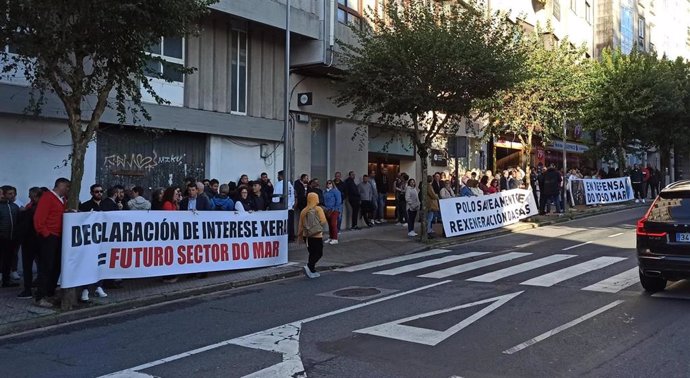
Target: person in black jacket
<point>552,183</point>
<point>9,213</point>
<point>29,240</point>
<point>194,201</point>
<point>353,198</point>
<point>301,187</point>
<point>637,179</point>
<point>111,203</point>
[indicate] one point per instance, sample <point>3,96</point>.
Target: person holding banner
<point>311,222</point>
<point>413,205</point>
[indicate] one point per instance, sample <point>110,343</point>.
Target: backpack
<point>312,224</point>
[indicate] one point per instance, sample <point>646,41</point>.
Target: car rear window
<point>672,206</point>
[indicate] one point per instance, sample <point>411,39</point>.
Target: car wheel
<point>652,284</point>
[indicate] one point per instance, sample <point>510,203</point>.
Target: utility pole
<point>287,142</point>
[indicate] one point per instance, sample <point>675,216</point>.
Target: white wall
<point>32,153</point>
<point>229,158</point>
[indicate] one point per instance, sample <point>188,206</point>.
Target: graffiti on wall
<point>134,161</point>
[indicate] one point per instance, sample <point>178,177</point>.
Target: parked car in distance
<point>663,238</point>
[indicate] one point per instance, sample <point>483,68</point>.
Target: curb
<point>106,309</point>
<point>112,308</point>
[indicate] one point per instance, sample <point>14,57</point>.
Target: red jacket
<point>48,218</point>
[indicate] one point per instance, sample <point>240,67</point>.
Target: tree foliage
<point>551,95</point>
<point>637,101</point>
<point>418,69</point>
<point>92,55</point>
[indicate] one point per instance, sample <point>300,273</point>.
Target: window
<point>557,9</point>
<point>588,12</point>
<point>171,50</point>
<point>349,12</point>
<point>238,74</point>
<point>641,32</point>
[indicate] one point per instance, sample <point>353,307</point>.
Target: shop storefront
<point>553,154</point>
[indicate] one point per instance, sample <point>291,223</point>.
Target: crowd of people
<point>36,226</point>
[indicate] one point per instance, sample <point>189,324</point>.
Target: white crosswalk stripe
<point>613,284</point>
<point>428,263</point>
<point>521,268</point>
<point>474,265</point>
<point>616,283</point>
<point>393,260</point>
<point>553,278</point>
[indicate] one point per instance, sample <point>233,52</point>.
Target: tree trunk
<point>621,161</point>
<point>423,153</point>
<point>527,154</point>
<point>79,145</point>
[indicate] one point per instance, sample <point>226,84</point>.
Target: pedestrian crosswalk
<point>563,267</point>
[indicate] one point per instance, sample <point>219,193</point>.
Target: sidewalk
<point>355,247</point>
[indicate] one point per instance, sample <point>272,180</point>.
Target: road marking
<point>428,263</point>
<point>431,337</point>
<point>553,278</point>
<point>561,328</point>
<point>443,273</point>
<point>616,283</point>
<point>575,246</point>
<point>614,235</point>
<point>282,339</point>
<point>393,260</point>
<point>528,244</point>
<point>513,270</point>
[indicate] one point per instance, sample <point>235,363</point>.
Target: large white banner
<point>604,191</point>
<point>466,215</point>
<point>135,244</point>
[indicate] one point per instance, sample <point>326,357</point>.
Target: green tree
<point>417,70</point>
<point>92,52</point>
<point>551,95</point>
<point>633,99</point>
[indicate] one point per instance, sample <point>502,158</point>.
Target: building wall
<point>229,158</point>
<point>209,87</point>
<point>36,153</point>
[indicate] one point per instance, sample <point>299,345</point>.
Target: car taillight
<point>641,231</point>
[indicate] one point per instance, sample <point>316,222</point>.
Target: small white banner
<point>607,190</point>
<point>466,215</point>
<point>136,244</point>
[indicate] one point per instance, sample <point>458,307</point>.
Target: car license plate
<point>683,237</point>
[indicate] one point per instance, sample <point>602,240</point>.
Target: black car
<point>663,238</point>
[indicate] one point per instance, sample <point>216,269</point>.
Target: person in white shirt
<point>278,203</point>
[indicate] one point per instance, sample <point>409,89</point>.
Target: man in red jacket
<point>48,224</point>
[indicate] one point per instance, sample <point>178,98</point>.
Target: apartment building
<point>224,120</point>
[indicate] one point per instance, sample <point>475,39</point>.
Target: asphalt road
<point>555,301</point>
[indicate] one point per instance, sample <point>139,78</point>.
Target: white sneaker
<point>398,224</point>
<point>327,241</point>
<point>637,201</point>
<point>644,201</point>
<point>15,276</point>
<point>308,272</point>
<point>404,224</point>
<point>316,275</point>
<point>411,233</point>
<point>100,292</point>
<point>85,295</point>
<point>334,241</point>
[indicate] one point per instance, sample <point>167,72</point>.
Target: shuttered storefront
<point>149,158</point>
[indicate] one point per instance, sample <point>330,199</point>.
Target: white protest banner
<point>607,190</point>
<point>466,215</point>
<point>136,244</point>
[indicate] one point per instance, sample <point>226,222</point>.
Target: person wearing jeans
<point>412,206</point>
<point>334,207</point>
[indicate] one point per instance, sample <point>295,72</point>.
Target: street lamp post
<point>287,174</point>
<point>565,168</point>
